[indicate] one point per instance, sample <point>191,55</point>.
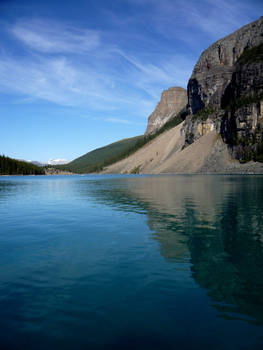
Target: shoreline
<point>38,174</point>
<point>149,174</point>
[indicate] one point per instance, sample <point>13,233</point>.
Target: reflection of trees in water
<point>214,221</point>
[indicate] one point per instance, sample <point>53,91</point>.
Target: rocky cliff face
<point>225,93</point>
<point>214,69</point>
<point>172,102</point>
<point>242,123</point>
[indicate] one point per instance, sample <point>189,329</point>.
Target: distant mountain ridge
<point>36,163</point>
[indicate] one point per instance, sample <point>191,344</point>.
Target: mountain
<point>9,166</point>
<point>100,157</point>
<point>172,102</point>
<point>36,162</point>
<point>225,93</point>
<point>58,161</point>
<point>167,154</point>
<point>223,125</point>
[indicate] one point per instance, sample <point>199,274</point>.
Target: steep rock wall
<point>242,124</point>
<point>172,102</point>
<point>214,69</point>
<point>225,93</point>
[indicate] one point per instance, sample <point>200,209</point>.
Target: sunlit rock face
<point>172,102</point>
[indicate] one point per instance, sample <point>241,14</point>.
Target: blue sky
<point>77,75</point>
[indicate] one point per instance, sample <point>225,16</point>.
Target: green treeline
<point>95,160</point>
<point>9,166</point>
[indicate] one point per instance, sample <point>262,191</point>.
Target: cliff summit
<point>172,102</point>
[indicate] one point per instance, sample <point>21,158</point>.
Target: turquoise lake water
<point>131,262</point>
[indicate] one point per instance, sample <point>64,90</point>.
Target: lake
<point>131,262</point>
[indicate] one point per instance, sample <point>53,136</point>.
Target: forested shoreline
<point>9,166</point>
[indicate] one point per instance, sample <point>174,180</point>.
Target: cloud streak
<point>95,81</point>
<point>189,20</point>
<point>58,80</point>
<point>104,71</point>
<point>50,37</point>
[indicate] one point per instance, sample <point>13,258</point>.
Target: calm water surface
<point>131,262</point>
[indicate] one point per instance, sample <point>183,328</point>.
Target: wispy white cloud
<point>50,37</point>
<point>76,66</point>
<point>174,70</point>
<point>58,80</point>
<point>211,17</point>
<point>96,81</point>
<point>188,20</point>
<point>122,121</point>
<point>118,120</point>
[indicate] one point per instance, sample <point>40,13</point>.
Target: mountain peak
<point>173,100</point>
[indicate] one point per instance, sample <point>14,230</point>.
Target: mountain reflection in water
<point>214,222</point>
<point>131,262</point>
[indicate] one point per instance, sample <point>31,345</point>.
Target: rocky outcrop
<point>196,126</point>
<point>172,102</point>
<point>242,124</point>
<point>214,69</point>
<point>225,93</point>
